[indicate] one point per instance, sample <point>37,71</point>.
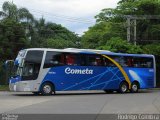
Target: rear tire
<point>123,88</point>
<point>47,89</point>
<point>134,87</point>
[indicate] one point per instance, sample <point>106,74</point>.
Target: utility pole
<point>135,31</point>
<point>128,29</point>
<point>132,25</point>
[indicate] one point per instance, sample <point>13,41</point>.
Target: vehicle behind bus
<point>49,70</point>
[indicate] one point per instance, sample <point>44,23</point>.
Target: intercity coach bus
<point>45,71</point>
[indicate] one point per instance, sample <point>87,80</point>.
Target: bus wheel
<point>123,88</point>
<point>47,89</point>
<point>134,87</point>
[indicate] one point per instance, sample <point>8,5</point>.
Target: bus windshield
<point>31,65</point>
<point>18,69</point>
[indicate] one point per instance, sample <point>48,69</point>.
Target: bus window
<point>70,59</point>
<point>53,59</point>
<point>98,61</point>
<point>75,59</point>
<point>82,59</point>
<point>129,61</point>
<point>125,61</point>
<point>94,60</point>
<point>142,62</point>
<point>107,62</point>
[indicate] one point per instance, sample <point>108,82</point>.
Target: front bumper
<point>22,87</point>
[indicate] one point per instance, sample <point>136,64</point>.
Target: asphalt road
<point>81,102</point>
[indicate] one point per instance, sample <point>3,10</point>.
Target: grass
<point>4,88</point>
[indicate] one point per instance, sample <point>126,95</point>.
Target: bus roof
<point>91,51</point>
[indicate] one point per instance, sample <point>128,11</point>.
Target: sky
<point>75,15</point>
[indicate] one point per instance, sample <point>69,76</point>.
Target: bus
<point>45,71</point>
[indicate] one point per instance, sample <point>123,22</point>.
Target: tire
<point>123,88</point>
<point>47,89</point>
<point>134,87</point>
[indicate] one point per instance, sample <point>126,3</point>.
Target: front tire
<point>123,88</point>
<point>47,89</point>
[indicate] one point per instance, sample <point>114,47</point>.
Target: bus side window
<point>82,59</point>
<point>99,61</point>
<point>62,59</point>
<point>129,62</point>
<point>141,62</point>
<point>122,61</point>
<point>53,59</point>
<point>126,61</point>
<point>107,62</point>
<point>58,59</point>
<point>71,59</point>
<point>94,60</point>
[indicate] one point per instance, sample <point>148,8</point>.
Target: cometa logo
<point>78,71</point>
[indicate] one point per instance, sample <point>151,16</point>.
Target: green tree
<point>19,30</point>
<point>12,39</point>
<point>116,44</point>
<point>96,35</point>
<point>44,32</point>
<point>10,11</point>
<point>58,43</point>
<point>115,21</point>
<point>152,49</point>
<point>146,29</point>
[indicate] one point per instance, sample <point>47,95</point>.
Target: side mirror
<point>8,64</point>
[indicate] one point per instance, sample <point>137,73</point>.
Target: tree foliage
<point>44,32</point>
<point>19,30</point>
<point>110,30</point>
<point>116,44</point>
<point>10,11</point>
<point>152,49</point>
<point>12,38</point>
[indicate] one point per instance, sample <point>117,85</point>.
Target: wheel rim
<point>47,89</point>
<point>124,88</point>
<point>134,87</point>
